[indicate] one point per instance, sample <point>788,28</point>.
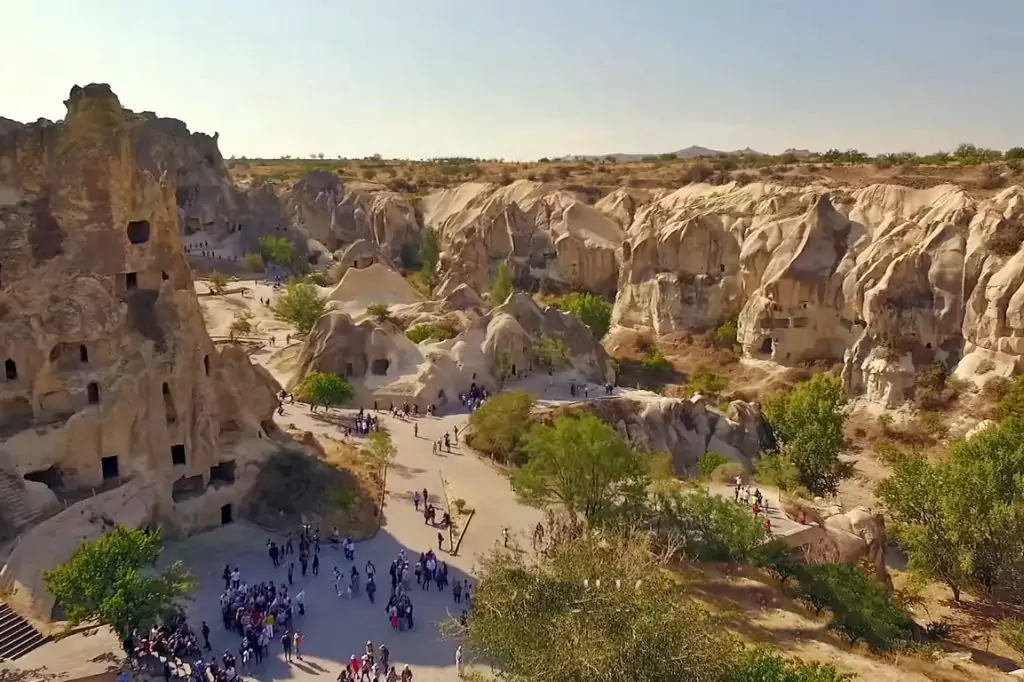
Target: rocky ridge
<point>115,405</point>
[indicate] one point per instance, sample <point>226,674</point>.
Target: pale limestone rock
<point>110,380</point>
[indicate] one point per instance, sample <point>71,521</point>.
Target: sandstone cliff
<point>111,388</point>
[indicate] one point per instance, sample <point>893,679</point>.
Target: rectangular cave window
<point>10,369</point>
<point>226,515</point>
<point>206,364</point>
<point>83,353</point>
<point>93,390</point>
<point>131,281</point>
<point>178,454</point>
<point>223,473</point>
<point>110,468</point>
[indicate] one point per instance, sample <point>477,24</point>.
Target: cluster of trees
<point>961,519</point>
<point>591,309</point>
<point>617,526</point>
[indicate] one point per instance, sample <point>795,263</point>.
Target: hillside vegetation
<point>976,169</point>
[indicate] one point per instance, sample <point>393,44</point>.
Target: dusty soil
<point>332,484</point>
<point>595,179</point>
<point>755,607</point>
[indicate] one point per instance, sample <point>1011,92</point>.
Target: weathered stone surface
<point>110,381</point>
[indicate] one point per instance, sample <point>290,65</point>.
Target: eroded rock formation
<point>114,401</point>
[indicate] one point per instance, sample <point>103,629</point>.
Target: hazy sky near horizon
<point>521,80</point>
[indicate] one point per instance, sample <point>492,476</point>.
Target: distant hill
<point>691,152</point>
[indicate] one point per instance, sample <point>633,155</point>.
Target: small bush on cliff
<point>380,312</point>
<point>551,353</point>
<point>503,286</point>
<point>591,310</point>
<point>655,362</point>
<point>706,382</point>
<point>725,335</point>
<point>430,255</point>
<point>711,460</point>
<point>422,332</point>
<point>301,304</point>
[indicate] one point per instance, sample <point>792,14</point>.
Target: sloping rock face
<point>885,279</point>
<point>323,209</point>
<point>685,429</point>
<point>110,381</point>
<point>540,233</point>
<point>205,196</point>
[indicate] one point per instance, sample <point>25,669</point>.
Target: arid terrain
<point>145,348</point>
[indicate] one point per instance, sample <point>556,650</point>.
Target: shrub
<point>218,283</point>
<point>726,334</point>
<point>593,311</point>
<point>422,332</point>
<point>254,262</point>
<point>459,504</point>
<point>861,610</point>
<point>655,362</point>
<point>763,664</point>
<point>727,472</point>
<point>319,278</point>
<point>301,304</point>
<point>379,312</point>
<point>710,462</point>
<point>707,527</point>
<point>706,382</point>
<point>503,286</point>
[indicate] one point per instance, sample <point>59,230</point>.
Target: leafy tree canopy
<point>277,250</point>
<point>551,353</point>
<point>582,464</point>
<point>808,422</point>
<point>112,579</point>
<point>301,304</point>
<point>591,310</point>
<point>380,312</point>
<point>497,426</point>
<point>961,520</point>
<point>324,389</point>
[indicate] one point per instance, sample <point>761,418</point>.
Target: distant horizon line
<point>964,153</point>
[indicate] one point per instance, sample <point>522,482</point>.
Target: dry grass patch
<point>328,484</point>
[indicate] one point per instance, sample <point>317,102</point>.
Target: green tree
<point>381,448</point>
<point>254,262</point>
<point>497,427</point>
<point>551,353</point>
<point>430,255</point>
<point>642,631</point>
<point>1011,631</point>
<point>380,312</point>
<point>324,389</point>
<point>961,521</point>
<point>241,324</point>
<point>808,423</point>
<point>113,579</point>
<point>301,304</point>
<point>582,464</point>
<point>277,250</point>
<point>707,527</point>
<point>421,332</point>
<point>726,334</point>
<point>503,286</point>
<point>1011,405</point>
<point>591,310</point>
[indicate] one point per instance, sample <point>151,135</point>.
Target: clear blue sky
<point>483,78</point>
